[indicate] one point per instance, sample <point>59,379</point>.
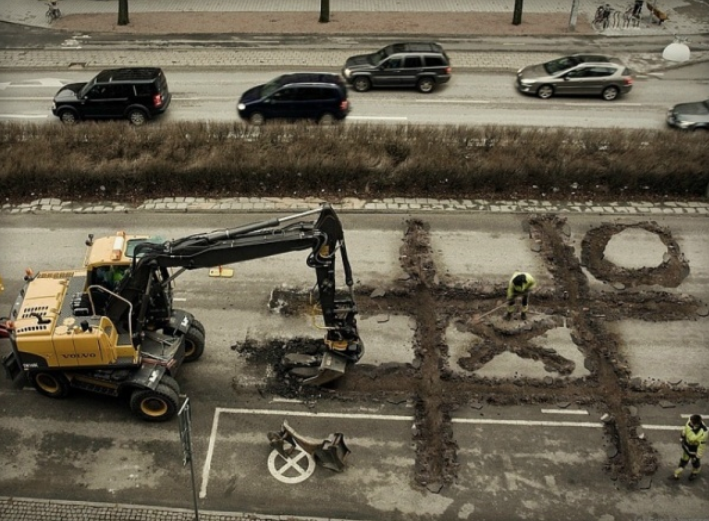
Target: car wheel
<point>362,84</point>
<point>545,91</point>
<point>257,119</point>
<point>68,117</point>
<point>137,117</point>
<point>54,385</point>
<point>327,119</point>
<point>426,85</point>
<point>610,93</point>
<point>158,405</point>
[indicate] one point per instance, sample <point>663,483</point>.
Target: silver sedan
<point>576,75</point>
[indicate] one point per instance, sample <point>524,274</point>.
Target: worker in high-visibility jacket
<point>694,442</point>
<point>521,284</point>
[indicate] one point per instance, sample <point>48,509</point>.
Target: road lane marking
<point>457,101</point>
<point>600,104</point>
<point>380,118</point>
<point>23,116</point>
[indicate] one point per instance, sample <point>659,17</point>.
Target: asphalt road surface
<point>470,99</point>
<point>542,461</point>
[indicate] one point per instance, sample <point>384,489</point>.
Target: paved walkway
<point>687,17</point>
<point>389,205</point>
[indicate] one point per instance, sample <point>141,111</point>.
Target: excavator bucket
<point>330,453</point>
<point>333,453</point>
<point>332,367</point>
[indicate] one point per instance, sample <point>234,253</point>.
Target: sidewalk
<point>685,18</point>
<point>260,40</point>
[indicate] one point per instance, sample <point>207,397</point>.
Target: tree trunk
<point>324,11</point>
<point>517,16</point>
<point>123,12</point>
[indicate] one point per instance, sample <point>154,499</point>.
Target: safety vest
<point>513,290</point>
<point>696,438</point>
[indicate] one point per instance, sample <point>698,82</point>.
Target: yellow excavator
<point>111,327</point>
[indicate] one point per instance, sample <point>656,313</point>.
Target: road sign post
<point>185,417</point>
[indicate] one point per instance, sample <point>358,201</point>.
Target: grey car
<point>576,75</point>
<point>691,116</point>
<point>422,65</point>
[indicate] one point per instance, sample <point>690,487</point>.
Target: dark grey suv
<point>136,93</point>
<point>422,65</point>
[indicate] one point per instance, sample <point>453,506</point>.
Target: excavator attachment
<point>330,453</point>
<point>316,370</point>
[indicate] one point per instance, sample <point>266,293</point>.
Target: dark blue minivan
<point>317,96</point>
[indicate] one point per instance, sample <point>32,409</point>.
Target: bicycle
<point>53,13</point>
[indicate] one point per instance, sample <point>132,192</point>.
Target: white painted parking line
<point>565,411</point>
<point>526,423</point>
<point>359,416</point>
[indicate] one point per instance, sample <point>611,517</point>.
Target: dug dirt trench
<point>437,391</point>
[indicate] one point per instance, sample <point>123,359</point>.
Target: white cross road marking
<point>302,472</point>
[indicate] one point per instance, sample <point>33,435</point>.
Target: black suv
<point>416,64</point>
<point>319,96</point>
<point>137,93</point>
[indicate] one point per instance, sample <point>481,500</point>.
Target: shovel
<point>476,318</point>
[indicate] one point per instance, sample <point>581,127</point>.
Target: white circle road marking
<point>291,466</point>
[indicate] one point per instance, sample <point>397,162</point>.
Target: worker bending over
<point>520,286</point>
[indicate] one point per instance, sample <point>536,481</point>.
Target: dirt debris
<point>436,391</point>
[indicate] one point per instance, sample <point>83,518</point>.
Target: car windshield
<point>377,57</point>
<point>85,90</point>
<point>561,64</point>
<point>271,87</point>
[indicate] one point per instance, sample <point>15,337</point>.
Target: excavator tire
<point>199,326</point>
<point>194,340</point>
<point>194,343</point>
<point>154,405</point>
<point>54,385</point>
<point>171,383</point>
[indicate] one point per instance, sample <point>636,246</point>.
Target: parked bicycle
<point>53,13</point>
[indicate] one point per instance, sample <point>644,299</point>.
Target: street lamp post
<point>123,12</point>
<point>324,11</point>
<point>517,16</point>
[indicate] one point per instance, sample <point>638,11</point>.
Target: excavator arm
<point>146,286</point>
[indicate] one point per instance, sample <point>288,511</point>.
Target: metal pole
<point>194,487</point>
<point>185,417</point>
<point>574,15</point>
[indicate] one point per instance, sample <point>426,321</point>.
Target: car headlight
<point>526,82</point>
<point>347,73</point>
<point>241,106</point>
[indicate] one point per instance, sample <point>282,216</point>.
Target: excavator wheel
<point>54,385</point>
<point>154,406</point>
<point>171,383</point>
<point>199,326</point>
<point>194,344</point>
<point>194,340</point>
